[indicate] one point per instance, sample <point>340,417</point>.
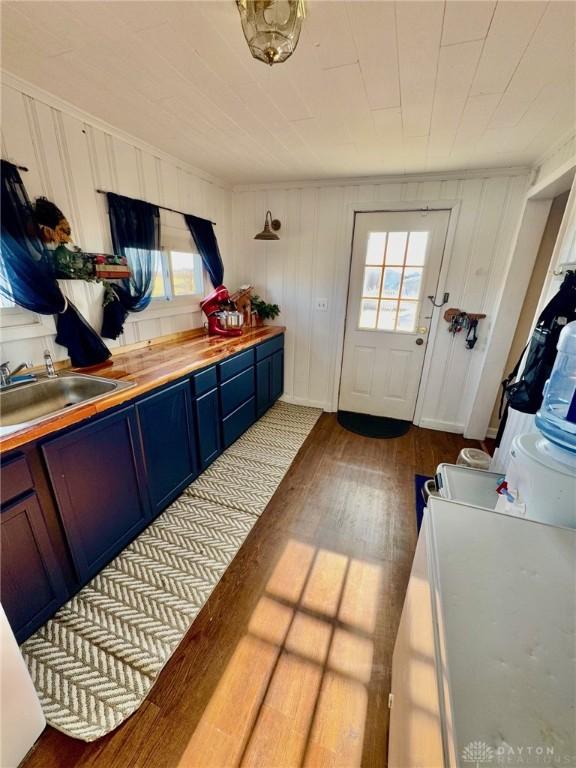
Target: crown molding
<point>51,100</point>
<point>347,181</point>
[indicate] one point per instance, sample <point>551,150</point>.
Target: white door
<point>396,259</point>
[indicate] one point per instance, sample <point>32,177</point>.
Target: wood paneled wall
<point>311,260</point>
<point>69,157</point>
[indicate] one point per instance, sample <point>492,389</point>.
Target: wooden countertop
<point>149,367</point>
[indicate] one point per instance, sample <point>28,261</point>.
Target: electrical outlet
<point>322,305</point>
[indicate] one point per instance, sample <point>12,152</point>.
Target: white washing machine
<point>541,479</point>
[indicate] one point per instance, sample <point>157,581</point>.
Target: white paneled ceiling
<point>373,88</point>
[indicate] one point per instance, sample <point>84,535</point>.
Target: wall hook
<point>445,299</point>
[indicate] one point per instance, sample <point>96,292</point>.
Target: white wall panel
<point>69,159</point>
<point>314,251</point>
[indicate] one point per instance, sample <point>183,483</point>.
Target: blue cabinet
<point>236,391</point>
<point>98,479</point>
<point>207,410</point>
<point>238,422</point>
<point>32,584</point>
<point>269,373</point>
<point>262,386</point>
<point>167,427</point>
<point>276,375</point>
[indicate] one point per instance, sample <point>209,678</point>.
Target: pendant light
<point>271,226</point>
<point>271,27</point>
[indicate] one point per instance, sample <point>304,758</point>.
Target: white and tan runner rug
<point>95,662</point>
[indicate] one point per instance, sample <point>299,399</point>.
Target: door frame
<point>388,206</point>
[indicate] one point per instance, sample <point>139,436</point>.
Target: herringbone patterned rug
<point>94,663</point>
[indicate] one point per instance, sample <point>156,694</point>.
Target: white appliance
<point>21,716</point>
<point>483,665</point>
<point>540,485</point>
<point>468,485</point>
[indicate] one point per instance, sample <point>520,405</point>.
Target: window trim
<point>34,325</point>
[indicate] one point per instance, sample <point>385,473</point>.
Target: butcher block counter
<point>157,363</point>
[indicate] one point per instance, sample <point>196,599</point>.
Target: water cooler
<point>541,477</point>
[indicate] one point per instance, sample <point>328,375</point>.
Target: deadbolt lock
<point>421,329</point>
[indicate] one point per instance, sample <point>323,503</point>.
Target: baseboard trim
<point>442,426</point>
<point>491,432</point>
<point>306,402</point>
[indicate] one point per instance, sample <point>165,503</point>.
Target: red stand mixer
<point>223,319</point>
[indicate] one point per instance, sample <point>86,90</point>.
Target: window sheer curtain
<point>26,276</point>
<point>204,236</point>
<point>135,230</point>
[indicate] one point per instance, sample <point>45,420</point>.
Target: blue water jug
<point>556,419</point>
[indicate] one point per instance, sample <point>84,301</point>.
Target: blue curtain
<point>135,230</point>
<point>26,276</point>
<point>202,231</point>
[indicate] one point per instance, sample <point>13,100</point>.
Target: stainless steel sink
<point>31,403</point>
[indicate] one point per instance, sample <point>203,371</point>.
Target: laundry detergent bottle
<point>556,419</point>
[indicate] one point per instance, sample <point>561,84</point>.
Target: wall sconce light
<point>271,226</point>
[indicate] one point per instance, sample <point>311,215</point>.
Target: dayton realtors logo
<point>481,754</point>
<point>477,752</point>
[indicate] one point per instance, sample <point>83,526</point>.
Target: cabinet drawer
<point>204,381</point>
<point>236,364</point>
<point>236,391</point>
<point>269,347</point>
<point>16,479</point>
<point>238,422</point>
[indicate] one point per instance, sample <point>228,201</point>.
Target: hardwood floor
<point>288,664</point>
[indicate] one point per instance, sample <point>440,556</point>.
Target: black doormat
<point>372,426</point>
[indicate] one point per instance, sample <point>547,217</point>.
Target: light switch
<point>322,305</point>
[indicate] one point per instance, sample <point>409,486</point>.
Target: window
<point>10,314</point>
<point>393,279</point>
<point>179,272</point>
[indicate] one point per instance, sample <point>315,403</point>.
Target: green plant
<point>264,311</point>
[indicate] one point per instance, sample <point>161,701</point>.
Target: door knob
<point>419,342</point>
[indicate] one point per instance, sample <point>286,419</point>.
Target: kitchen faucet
<point>7,376</point>
<point>50,371</point>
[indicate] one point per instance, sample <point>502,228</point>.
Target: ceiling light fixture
<point>271,27</point>
<point>271,226</point>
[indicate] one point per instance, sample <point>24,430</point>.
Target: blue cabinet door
<point>262,386</point>
<point>32,584</point>
<point>207,410</point>
<point>98,480</point>
<point>167,426</point>
<point>276,376</point>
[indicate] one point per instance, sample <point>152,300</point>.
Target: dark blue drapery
<point>135,230</point>
<point>26,276</point>
<point>202,231</point>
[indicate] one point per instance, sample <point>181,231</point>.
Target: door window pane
<point>387,315</point>
<point>372,277</point>
<point>396,248</point>
<point>376,247</point>
<point>391,282</point>
<point>368,312</point>
<point>407,314</point>
<point>416,255</point>
<point>411,283</point>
